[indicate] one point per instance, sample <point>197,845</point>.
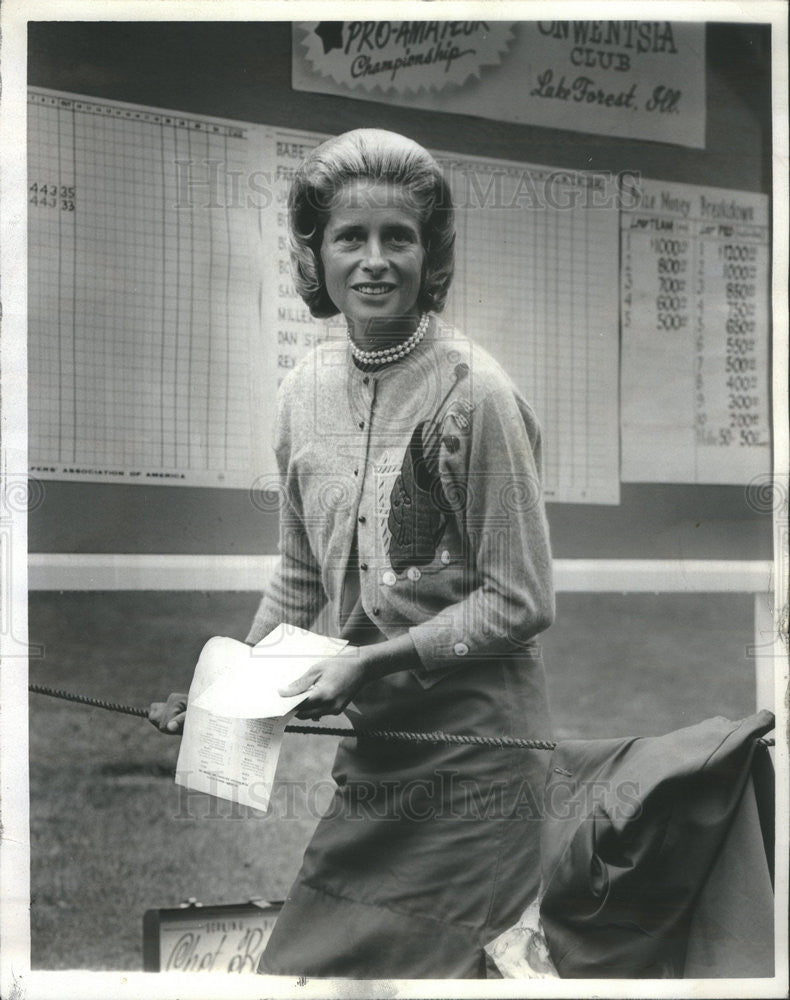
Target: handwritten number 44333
<point>52,196</point>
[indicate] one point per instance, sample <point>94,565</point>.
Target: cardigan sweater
<point>433,462</point>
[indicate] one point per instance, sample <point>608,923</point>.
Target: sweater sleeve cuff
<point>438,648</point>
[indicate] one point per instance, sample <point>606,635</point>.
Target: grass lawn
<point>111,834</point>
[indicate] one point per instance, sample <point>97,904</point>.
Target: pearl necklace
<point>387,354</point>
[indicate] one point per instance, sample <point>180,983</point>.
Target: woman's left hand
<point>330,684</point>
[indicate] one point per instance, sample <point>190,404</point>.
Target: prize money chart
<point>695,367</point>
<point>531,286</point>
<point>142,295</point>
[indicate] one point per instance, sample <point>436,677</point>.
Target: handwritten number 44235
<point>52,196</point>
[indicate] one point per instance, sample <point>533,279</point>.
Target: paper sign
<point>404,56</point>
<point>637,79</point>
<point>695,268</point>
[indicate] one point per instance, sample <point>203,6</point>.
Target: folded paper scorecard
<point>235,716</point>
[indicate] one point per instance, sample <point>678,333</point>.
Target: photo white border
<point>17,981</point>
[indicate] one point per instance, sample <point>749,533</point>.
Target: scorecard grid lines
<point>530,290</point>
<point>135,372</point>
<point>181,317</point>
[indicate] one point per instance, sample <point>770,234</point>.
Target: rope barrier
<point>377,734</point>
<point>401,736</point>
<point>83,699</point>
<point>466,739</point>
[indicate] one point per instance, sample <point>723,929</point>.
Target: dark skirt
<point>427,851</point>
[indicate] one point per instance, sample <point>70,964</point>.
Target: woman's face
<point>372,253</point>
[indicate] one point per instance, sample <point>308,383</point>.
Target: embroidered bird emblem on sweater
<point>416,521</point>
<point>418,506</point>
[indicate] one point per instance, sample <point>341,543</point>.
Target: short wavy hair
<point>382,157</point>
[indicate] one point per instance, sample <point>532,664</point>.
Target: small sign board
<point>196,938</point>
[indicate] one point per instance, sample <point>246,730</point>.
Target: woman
<point>411,504</point>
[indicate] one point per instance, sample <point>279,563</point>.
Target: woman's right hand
<point>168,716</point>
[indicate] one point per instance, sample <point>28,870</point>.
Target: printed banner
<point>404,56</point>
<point>634,79</point>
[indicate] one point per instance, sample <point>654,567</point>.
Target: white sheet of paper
<point>249,688</point>
<point>235,719</point>
<point>232,759</point>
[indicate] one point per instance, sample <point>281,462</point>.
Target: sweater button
<point>413,573</point>
<point>356,472</point>
<point>361,519</point>
<point>362,425</point>
<point>444,558</point>
<point>460,649</point>
<point>389,578</point>
<point>374,611</point>
<point>366,380</point>
<point>363,566</point>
